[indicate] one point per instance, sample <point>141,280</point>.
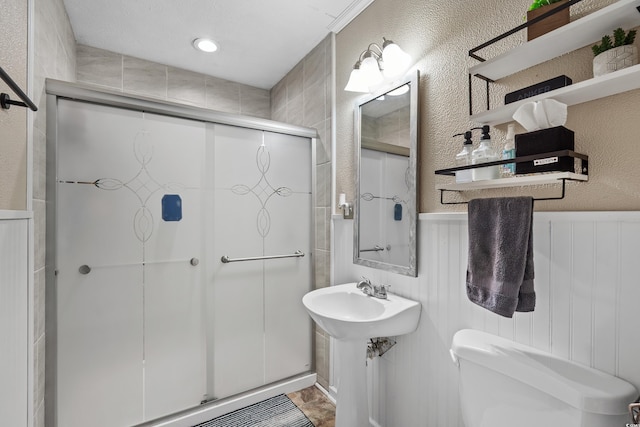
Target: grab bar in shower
<point>297,254</point>
<point>376,248</point>
<point>85,269</point>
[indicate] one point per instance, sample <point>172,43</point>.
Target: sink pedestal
<point>352,406</point>
<point>352,317</point>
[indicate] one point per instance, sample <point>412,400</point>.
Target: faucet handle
<point>381,290</point>
<point>364,280</point>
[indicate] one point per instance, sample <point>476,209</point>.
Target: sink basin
<point>346,313</point>
<point>352,317</point>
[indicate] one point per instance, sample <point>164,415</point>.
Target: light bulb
<point>371,74</point>
<point>356,83</point>
<point>396,61</point>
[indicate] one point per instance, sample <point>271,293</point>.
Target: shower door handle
<point>297,254</point>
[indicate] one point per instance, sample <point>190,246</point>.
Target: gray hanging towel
<point>500,265</point>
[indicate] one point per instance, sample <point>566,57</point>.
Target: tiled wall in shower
<point>137,76</point>
<point>303,97</point>
<point>54,56</point>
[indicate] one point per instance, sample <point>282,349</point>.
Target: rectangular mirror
<point>386,141</point>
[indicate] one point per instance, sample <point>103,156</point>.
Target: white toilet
<point>503,383</point>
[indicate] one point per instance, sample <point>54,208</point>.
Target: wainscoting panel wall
<point>588,294</point>
<point>14,305</point>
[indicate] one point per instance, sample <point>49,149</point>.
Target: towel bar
<point>225,259</point>
<point>560,197</point>
<point>5,100</point>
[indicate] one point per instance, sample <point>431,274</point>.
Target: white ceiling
<point>259,40</point>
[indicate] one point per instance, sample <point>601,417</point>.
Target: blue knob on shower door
<point>397,212</point>
<point>171,207</point>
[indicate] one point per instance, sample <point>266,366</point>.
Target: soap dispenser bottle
<point>463,158</point>
<point>509,152</point>
<point>483,154</point>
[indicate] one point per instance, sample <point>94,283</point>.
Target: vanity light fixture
<point>205,45</point>
<point>375,65</point>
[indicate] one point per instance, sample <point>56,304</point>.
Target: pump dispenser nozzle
<point>483,154</point>
<point>485,131</point>
<point>463,158</point>
<point>467,137</point>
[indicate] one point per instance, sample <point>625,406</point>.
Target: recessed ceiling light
<point>205,45</point>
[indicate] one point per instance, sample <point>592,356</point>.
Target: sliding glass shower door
<point>262,208</point>
<point>146,318</point>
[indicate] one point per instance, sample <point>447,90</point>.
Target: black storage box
<point>537,89</point>
<point>545,141</point>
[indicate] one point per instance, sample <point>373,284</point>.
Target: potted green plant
<point>615,54</point>
<point>557,20</point>
<point>537,4</point>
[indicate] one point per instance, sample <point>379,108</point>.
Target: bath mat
<point>278,411</point>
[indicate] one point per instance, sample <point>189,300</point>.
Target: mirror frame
<point>411,269</point>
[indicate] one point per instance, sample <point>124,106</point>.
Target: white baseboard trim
<point>326,393</point>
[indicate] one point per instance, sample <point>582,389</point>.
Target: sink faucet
<point>376,291</point>
<point>365,286</point>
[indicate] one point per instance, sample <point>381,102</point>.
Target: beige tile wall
<point>303,97</point>
<point>138,76</point>
<point>54,57</point>
<point>392,128</point>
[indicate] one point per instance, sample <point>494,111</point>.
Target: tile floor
<point>315,405</point>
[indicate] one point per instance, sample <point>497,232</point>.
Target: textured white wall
<point>587,292</point>
<point>13,122</point>
<point>438,35</point>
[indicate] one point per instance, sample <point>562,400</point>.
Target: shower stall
<point>179,246</point>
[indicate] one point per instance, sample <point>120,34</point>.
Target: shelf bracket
<point>472,52</point>
<point>560,197</point>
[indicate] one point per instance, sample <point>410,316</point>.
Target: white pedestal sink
<point>352,317</point>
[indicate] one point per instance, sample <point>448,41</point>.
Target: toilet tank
<point>504,383</point>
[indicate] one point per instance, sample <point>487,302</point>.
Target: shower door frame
<point>55,90</point>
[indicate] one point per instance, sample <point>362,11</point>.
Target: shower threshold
<point>218,407</point>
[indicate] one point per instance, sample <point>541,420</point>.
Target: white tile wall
<point>588,294</point>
